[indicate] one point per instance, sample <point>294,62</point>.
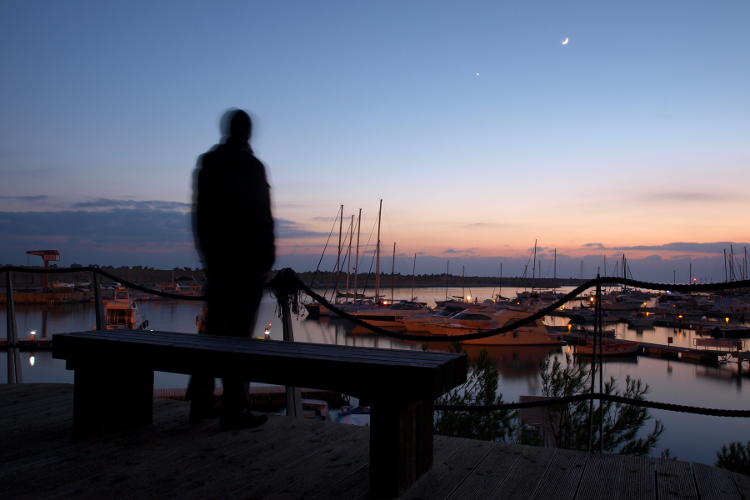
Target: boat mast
<point>500,284</point>
<point>554,272</point>
<point>349,257</point>
<point>338,256</point>
<point>356,262</point>
<point>377,254</point>
<point>463,283</point>
<point>393,271</point>
<point>533,267</point>
<point>447,273</point>
<point>413,276</point>
<point>726,276</point>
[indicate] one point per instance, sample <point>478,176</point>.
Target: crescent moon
<point>565,41</point>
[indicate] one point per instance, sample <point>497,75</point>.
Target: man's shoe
<point>241,421</point>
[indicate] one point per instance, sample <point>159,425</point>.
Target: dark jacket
<point>232,218</point>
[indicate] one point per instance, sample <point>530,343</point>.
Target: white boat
<point>421,322</point>
<point>533,334</point>
<point>391,316</point>
<point>122,312</point>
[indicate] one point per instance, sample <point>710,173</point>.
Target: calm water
<point>689,437</point>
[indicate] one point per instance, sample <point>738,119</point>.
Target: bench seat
<point>114,384</point>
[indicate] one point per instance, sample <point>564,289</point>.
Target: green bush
<point>735,457</point>
<point>479,389</point>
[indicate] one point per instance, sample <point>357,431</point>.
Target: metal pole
<point>356,262</point>
<point>10,322</point>
<point>97,301</point>
<point>293,399</point>
<point>10,307</point>
<point>593,361</point>
<point>600,322</point>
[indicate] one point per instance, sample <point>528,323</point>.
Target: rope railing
<point>118,279</point>
<point>696,410</point>
<point>292,280</point>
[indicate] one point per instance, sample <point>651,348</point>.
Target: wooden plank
<point>674,480</point>
<point>492,470</point>
<point>714,483</point>
<point>338,457</point>
<point>562,477</point>
<point>638,478</point>
<point>523,479</point>
<point>450,470</point>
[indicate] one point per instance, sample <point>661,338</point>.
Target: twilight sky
<point>477,127</point>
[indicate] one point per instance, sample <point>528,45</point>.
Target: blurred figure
<point>233,230</point>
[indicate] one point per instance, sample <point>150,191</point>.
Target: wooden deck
<point>288,458</point>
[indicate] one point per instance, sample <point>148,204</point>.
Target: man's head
<point>236,124</point>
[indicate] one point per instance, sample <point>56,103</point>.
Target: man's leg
<point>235,399</point>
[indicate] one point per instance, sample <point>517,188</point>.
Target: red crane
<point>47,256</point>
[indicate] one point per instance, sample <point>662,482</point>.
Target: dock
<point>295,458</point>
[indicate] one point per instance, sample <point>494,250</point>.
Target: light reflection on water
<point>689,437</point>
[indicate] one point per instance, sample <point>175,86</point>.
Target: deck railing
<point>287,287</point>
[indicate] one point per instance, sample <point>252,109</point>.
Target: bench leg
<point>400,445</point>
<point>109,398</point>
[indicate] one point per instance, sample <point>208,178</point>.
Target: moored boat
<point>122,312</point>
<point>534,333</point>
<point>609,348</point>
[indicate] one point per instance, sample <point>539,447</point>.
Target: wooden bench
<point>114,374</point>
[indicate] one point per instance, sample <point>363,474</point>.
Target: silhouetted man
<point>233,229</point>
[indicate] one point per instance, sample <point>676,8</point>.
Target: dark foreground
<point>289,458</point>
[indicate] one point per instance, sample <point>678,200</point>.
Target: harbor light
<point>32,334</point>
<point>468,298</point>
<point>267,331</point>
<point>32,360</point>
<point>726,320</point>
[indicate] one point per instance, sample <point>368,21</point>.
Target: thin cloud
<point>714,247</point>
<point>593,245</point>
<point>107,203</point>
<point>290,229</point>
<point>484,225</point>
<point>690,197</point>
<point>31,198</point>
<point>465,251</point>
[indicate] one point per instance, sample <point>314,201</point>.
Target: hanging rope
<point>696,410</point>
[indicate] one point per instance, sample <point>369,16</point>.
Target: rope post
<point>600,321</point>
<point>597,326</point>
<point>14,368</point>
<point>282,285</point>
<point>97,300</point>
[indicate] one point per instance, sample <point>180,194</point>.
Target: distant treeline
<point>329,280</point>
<point>151,276</point>
<point>136,274</point>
